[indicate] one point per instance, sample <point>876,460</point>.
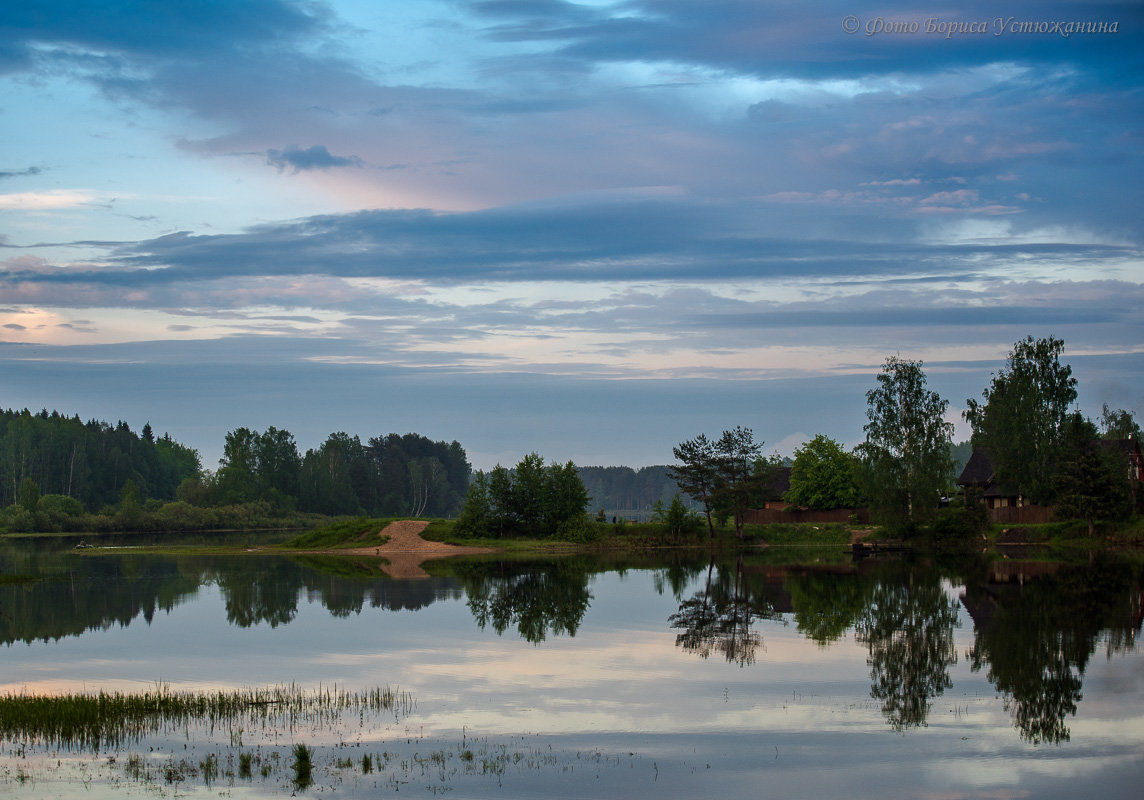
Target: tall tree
<point>696,474</point>
<point>736,455</point>
<point>278,465</point>
<point>905,459</point>
<point>566,498</point>
<point>237,475</point>
<point>1091,477</point>
<point>1024,412</point>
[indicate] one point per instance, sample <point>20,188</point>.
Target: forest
<point>54,470</point>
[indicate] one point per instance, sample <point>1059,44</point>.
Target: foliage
<point>824,476</point>
<point>620,489</point>
<point>740,472</point>
<point>906,464</point>
<point>532,500</point>
<point>959,454</point>
<point>1118,424</point>
<point>57,513</point>
<point>1024,413</point>
<point>677,519</point>
<point>960,522</point>
<point>87,461</point>
<point>1090,480</point>
<point>394,475</point>
<point>724,476</point>
<point>697,473</point>
<point>28,495</point>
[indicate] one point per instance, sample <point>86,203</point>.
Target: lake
<point>666,675</point>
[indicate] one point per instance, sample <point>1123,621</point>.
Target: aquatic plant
<point>302,766</point>
<point>102,720</point>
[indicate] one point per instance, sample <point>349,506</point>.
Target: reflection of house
<point>978,476</point>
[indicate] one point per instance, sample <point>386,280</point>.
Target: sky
<point>586,229</point>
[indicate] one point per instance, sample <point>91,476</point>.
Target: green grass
<point>99,721</point>
<point>804,533</point>
<point>441,530</point>
<point>342,534</point>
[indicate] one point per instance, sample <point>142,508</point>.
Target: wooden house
<point>979,477</point>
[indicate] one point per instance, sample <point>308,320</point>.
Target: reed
<point>103,720</point>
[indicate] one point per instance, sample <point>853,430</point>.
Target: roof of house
<point>979,473</point>
<point>978,470</point>
<point>1129,447</point>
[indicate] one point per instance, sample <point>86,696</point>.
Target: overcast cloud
<point>597,205</point>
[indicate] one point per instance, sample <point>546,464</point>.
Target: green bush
<point>959,522</point>
<point>677,519</point>
<point>61,505</point>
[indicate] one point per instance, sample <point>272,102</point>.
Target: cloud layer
<point>723,191</point>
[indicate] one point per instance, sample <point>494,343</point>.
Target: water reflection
<point>907,627</point>
<point>1035,626</point>
<point>719,617</point>
<point>539,599</point>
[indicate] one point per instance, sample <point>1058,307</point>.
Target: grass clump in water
<point>302,766</point>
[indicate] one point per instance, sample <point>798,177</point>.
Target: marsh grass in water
<point>302,766</point>
<point>96,721</point>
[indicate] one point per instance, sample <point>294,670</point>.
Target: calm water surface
<point>580,677</point>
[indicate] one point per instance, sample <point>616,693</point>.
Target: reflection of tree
<point>908,629</point>
<point>1037,636</point>
<point>826,605</point>
<point>718,619</point>
<point>77,594</point>
<point>269,594</point>
<point>268,590</point>
<point>677,577</point>
<point>544,599</point>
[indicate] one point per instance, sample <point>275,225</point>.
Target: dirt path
<point>406,551</point>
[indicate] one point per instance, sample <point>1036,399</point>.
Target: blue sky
<point>587,229</point>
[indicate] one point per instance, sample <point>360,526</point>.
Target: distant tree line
<point>59,472</point>
<point>393,475</point>
<point>620,489</point>
<point>89,462</point>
